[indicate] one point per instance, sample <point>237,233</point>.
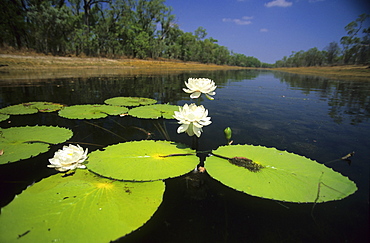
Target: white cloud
<point>245,20</point>
<point>278,3</point>
<point>264,30</point>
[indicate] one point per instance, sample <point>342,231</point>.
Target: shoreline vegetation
<point>32,66</point>
<point>28,66</point>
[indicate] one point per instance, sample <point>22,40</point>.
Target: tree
<point>135,28</point>
<point>354,45</point>
<point>13,27</point>
<point>50,27</point>
<point>200,33</point>
<point>332,52</point>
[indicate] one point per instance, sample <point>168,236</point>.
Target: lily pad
<point>143,160</point>
<point>4,117</point>
<point>278,175</point>
<point>19,109</point>
<point>129,101</point>
<point>31,108</point>
<point>154,111</point>
<point>23,142</point>
<point>82,207</point>
<point>91,111</point>
<point>45,106</point>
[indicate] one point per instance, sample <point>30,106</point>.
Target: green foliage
<point>280,175</point>
<point>134,28</point>
<point>154,111</point>
<point>91,111</point>
<point>356,49</point>
<point>31,108</point>
<point>19,109</point>
<point>130,101</point>
<point>81,207</point>
<point>143,160</point>
<point>23,142</point>
<point>4,117</point>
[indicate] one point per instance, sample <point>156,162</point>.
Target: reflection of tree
<point>345,98</point>
<point>70,91</point>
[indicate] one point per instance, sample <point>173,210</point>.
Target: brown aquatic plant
<point>243,162</point>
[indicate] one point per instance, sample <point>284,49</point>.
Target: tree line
<point>109,28</point>
<point>355,49</point>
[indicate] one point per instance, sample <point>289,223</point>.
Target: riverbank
<point>352,72</point>
<point>15,66</point>
<point>30,65</point>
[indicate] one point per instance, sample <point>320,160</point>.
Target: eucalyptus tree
<point>313,57</point>
<point>208,48</point>
<point>200,33</point>
<point>13,28</point>
<point>332,52</point>
<point>222,55</point>
<point>354,44</point>
<point>50,26</point>
<point>171,40</point>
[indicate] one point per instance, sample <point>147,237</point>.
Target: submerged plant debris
<point>242,162</point>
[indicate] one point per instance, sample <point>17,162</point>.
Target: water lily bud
<point>228,134</point>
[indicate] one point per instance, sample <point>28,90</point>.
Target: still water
<point>318,118</point>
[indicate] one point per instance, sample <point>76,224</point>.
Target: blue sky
<point>269,29</point>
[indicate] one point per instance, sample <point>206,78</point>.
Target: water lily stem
<point>106,130</point>
<point>195,143</point>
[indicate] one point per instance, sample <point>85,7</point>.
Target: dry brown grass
<point>31,65</point>
<point>26,64</point>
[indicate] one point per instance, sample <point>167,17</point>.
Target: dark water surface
<point>319,118</point>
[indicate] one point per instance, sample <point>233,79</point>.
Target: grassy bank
<point>29,65</point>
<point>352,72</point>
<point>36,66</point>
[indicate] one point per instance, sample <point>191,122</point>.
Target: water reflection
<point>347,99</point>
<point>315,117</point>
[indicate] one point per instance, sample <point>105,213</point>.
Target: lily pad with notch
<point>279,175</point>
<point>145,160</point>
<point>82,207</point>
<point>91,111</point>
<point>130,101</point>
<point>165,111</point>
<point>23,142</point>
<point>44,106</point>
<point>31,108</point>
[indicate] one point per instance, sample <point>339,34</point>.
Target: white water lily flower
<point>197,86</point>
<point>69,158</point>
<point>192,118</point>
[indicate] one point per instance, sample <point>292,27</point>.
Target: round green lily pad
<point>23,142</point>
<point>91,111</point>
<point>4,117</point>
<point>129,101</point>
<point>82,207</point>
<point>45,106</point>
<point>31,108</point>
<point>154,111</point>
<point>278,175</point>
<point>20,109</point>
<point>143,160</point>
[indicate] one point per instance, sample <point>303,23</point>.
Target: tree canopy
<point>355,49</point>
<point>109,28</point>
